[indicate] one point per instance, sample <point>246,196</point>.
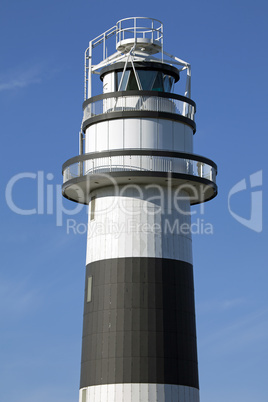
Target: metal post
<point>81,152</point>
<point>188,82</point>
<point>81,143</point>
<point>89,85</point>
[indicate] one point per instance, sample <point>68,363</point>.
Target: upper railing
<point>137,101</point>
<point>139,30</point>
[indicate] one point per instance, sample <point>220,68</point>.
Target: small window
<point>92,208</point>
<point>129,82</point>
<point>118,79</point>
<point>124,81</point>
<point>168,83</point>
<point>146,78</point>
<point>89,289</point>
<point>132,82</point>
<point>150,80</point>
<point>158,84</point>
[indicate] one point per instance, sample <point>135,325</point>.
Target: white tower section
<point>138,174</point>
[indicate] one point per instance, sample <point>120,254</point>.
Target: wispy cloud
<point>17,83</point>
<point>246,330</point>
<point>20,77</point>
<point>220,305</point>
<point>231,303</point>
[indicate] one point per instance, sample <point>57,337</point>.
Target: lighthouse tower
<point>138,175</point>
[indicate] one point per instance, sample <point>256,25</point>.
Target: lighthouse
<point>137,173</point>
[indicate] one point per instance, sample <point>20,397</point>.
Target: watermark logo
<point>155,199</point>
<point>49,200</point>
<point>255,220</point>
<point>116,229</point>
<point>49,196</point>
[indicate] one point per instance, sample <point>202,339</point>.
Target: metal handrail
<point>139,30</point>
<point>140,160</point>
<point>139,101</point>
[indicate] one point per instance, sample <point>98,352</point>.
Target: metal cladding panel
<point>149,130</point>
<point>109,82</point>
<point>188,139</point>
<point>132,128</point>
<point>102,136</point>
<point>165,134</point>
<point>178,136</point>
<point>116,134</point>
<point>90,139</point>
<point>140,326</point>
<point>130,140</point>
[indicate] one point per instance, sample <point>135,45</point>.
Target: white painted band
<point>138,393</point>
<point>149,133</point>
<point>147,221</point>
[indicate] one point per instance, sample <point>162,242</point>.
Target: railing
<point>139,27</point>
<point>134,101</point>
<point>140,161</point>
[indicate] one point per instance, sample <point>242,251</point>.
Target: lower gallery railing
<point>90,164</point>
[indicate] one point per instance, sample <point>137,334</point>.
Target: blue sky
<point>42,275</point>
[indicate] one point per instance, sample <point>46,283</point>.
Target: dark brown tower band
<point>139,323</point>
